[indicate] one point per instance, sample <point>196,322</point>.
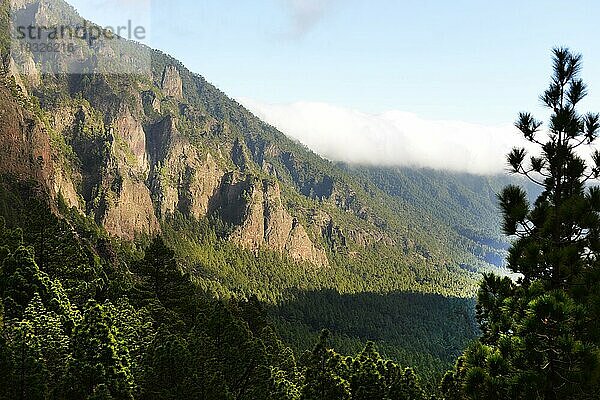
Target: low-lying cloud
<point>393,138</point>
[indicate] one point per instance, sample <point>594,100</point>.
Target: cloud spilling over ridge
<point>393,138</point>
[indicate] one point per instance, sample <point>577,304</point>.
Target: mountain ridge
<point>193,117</point>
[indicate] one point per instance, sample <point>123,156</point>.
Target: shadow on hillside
<point>408,327</point>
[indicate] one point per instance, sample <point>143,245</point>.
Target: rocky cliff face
<point>129,211</point>
<point>132,166</point>
<point>191,181</point>
<point>130,151</point>
<point>268,224</point>
<point>25,144</point>
<point>183,177</point>
<point>171,83</point>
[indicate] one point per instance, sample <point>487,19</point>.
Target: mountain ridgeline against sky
<point>261,242</point>
<point>137,149</point>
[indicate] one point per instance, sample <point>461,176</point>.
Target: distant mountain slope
<point>466,203</point>
<point>131,150</point>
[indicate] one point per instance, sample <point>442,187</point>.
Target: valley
<point>208,255</point>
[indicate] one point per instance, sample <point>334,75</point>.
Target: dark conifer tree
<point>402,384</point>
<point>539,338</point>
<point>23,373</point>
<point>20,280</point>
<point>367,379</point>
<point>100,362</point>
<point>163,287</point>
<point>48,330</point>
<point>167,372</point>
<point>325,374</point>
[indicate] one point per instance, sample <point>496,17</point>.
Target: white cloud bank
<point>393,138</point>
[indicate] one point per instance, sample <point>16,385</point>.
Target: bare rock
<point>268,224</point>
<point>24,143</point>
<point>131,211</point>
<point>31,73</point>
<point>183,178</point>
<point>171,83</point>
<point>300,247</point>
<point>130,143</point>
<point>64,186</point>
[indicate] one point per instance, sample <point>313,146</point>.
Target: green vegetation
<point>137,327</point>
<point>397,302</point>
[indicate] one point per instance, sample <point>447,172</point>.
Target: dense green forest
<point>417,315</point>
<point>422,330</point>
<point>85,318</point>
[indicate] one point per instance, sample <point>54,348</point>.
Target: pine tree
<point>241,356</point>
<point>538,336</point>
<point>285,376</point>
<point>23,374</point>
<point>136,331</point>
<point>367,380</point>
<point>324,374</point>
<point>283,387</point>
<point>48,330</point>
<point>163,287</point>
<point>100,362</point>
<point>403,384</point>
<point>207,365</point>
<point>20,279</point>
<point>168,369</point>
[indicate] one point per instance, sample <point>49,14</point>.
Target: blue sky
<point>469,60</point>
<point>477,62</point>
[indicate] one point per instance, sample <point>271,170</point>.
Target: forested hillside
<point>85,318</point>
<point>158,241</point>
<point>466,203</point>
<point>247,211</point>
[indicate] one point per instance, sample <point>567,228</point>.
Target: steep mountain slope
<point>249,211</point>
<point>138,148</point>
<point>464,202</point>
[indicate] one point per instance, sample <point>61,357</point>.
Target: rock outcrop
<point>25,149</point>
<point>64,186</point>
<point>171,83</point>
<point>190,181</point>
<point>30,72</point>
<point>183,178</point>
<point>129,211</point>
<point>130,143</point>
<point>268,224</point>
<point>124,200</point>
